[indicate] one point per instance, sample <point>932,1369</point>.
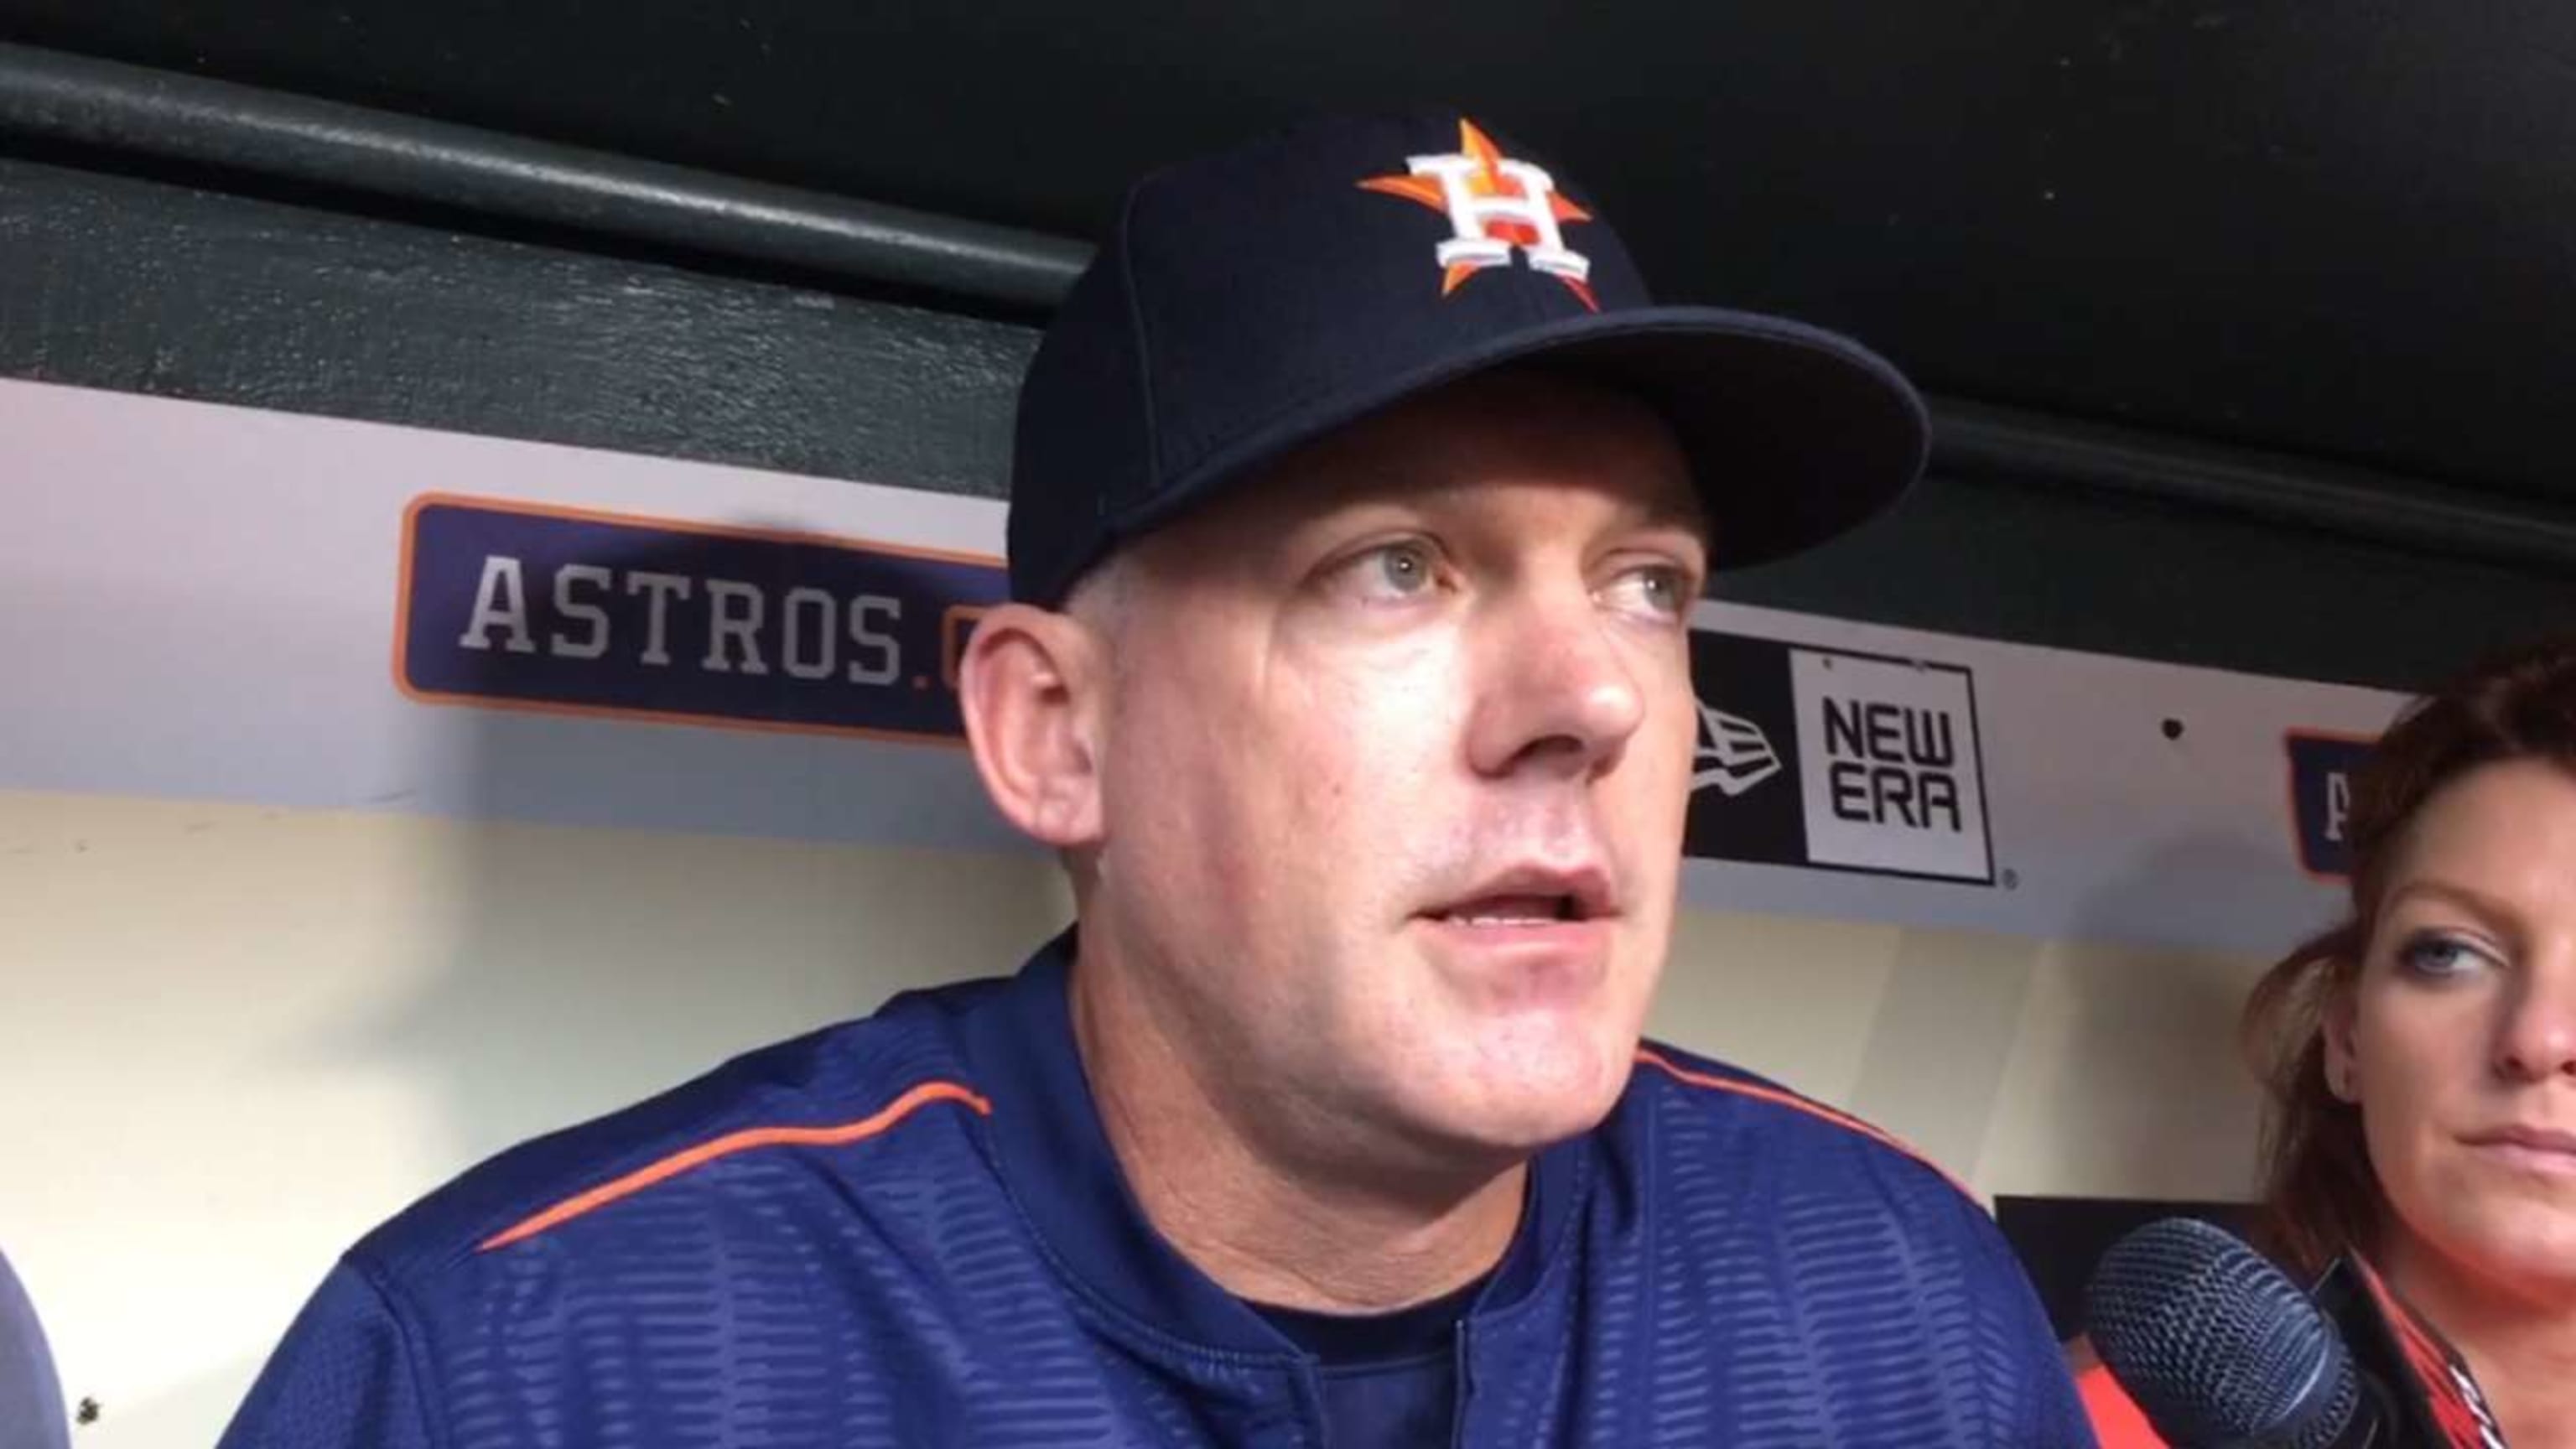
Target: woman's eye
<point>2439,958</point>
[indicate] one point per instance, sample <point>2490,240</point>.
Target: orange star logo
<point>1495,205</point>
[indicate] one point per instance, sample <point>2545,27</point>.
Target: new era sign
<point>1827,758</point>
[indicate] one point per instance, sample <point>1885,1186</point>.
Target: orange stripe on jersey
<point>1795,1103</point>
<point>2117,1420</point>
<point>725,1146</point>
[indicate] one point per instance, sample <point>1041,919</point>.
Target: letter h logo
<point>1495,204</point>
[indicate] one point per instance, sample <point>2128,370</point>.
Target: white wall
<point>233,1037</point>
<point>2023,1067</point>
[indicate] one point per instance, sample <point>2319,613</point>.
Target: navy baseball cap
<point>1253,301</point>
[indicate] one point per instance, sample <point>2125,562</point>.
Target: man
<point>1360,501</point>
<point>29,1394</point>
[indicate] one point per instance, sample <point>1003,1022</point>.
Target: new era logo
<point>1878,761</point>
<point>1734,754</point>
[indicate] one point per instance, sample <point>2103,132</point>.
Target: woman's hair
<point>2320,1197</point>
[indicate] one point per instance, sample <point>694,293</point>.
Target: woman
<point>2420,1058</point>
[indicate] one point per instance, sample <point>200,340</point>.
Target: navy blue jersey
<point>910,1230</point>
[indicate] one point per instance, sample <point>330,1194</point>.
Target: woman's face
<point>2458,1039</point>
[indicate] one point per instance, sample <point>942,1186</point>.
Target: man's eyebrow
<point>1691,516</point>
<point>1688,513</point>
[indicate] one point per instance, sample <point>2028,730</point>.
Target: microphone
<point>2217,1347</point>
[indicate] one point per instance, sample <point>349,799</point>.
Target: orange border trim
<point>2290,795</point>
<point>1796,1103</point>
<point>727,1145</point>
<point>418,695</point>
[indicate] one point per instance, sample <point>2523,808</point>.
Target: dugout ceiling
<point>2247,323</point>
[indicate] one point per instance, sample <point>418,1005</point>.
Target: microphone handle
<point>2376,1424</point>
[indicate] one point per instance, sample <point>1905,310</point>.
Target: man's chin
<point>1535,1110</point>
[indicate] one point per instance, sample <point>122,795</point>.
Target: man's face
<point>1395,769</point>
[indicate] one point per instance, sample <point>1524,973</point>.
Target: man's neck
<point>2522,1349</point>
<point>1347,1241</point>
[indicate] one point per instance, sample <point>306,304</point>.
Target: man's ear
<point>1034,688</point>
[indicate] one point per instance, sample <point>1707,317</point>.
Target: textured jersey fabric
<point>31,1399</point>
<point>1389,1380</point>
<point>910,1230</point>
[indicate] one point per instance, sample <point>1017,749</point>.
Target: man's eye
<point>1659,589</point>
<point>1393,572</point>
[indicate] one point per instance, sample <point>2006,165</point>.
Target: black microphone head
<point>2215,1344</point>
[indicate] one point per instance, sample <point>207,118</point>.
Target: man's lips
<point>1529,910</point>
<point>1530,895</point>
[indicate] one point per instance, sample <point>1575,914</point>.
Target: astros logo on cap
<point>1494,204</point>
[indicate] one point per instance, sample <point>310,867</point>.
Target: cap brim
<point>1795,435</point>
